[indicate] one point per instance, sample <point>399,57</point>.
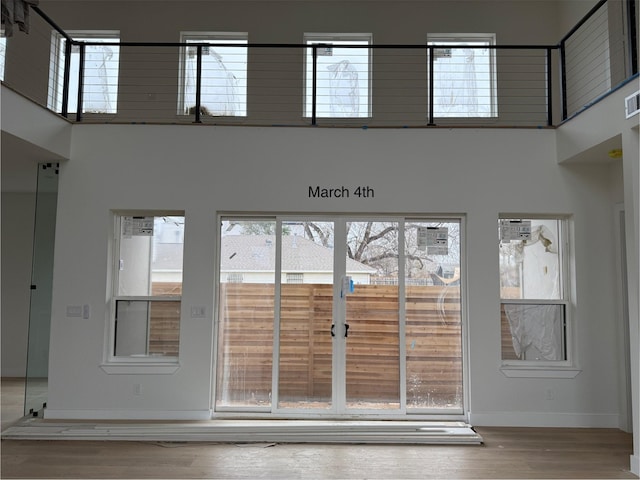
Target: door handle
<point>333,329</point>
<point>346,330</point>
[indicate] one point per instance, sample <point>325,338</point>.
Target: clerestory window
<point>101,68</point>
<point>464,77</point>
<point>343,75</point>
<point>224,74</point>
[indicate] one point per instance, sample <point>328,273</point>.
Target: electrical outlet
<point>137,389</point>
<point>550,394</point>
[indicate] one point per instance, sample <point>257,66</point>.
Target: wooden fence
<point>433,344</point>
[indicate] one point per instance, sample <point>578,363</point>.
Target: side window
<point>147,285</point>
<point>534,307</point>
<point>224,74</point>
<point>464,77</point>
<point>343,75</point>
<point>101,68</point>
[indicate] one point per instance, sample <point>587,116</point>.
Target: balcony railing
<point>313,85</point>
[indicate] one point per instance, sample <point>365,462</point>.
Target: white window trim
<point>550,369</point>
<point>339,37</point>
<point>56,65</point>
<point>139,364</point>
<point>205,37</point>
<point>435,38</point>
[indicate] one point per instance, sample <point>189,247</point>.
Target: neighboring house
<point>251,259</point>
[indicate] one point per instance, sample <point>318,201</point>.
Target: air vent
<point>632,104</point>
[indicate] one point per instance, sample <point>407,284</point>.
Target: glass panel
<point>433,315</point>
<point>151,256</point>
<point>533,332</point>
<point>246,303</point>
<point>372,345</point>
<point>147,328</point>
<point>531,268</point>
<point>36,386</point>
<point>306,316</point>
<point>462,83</point>
<point>224,78</point>
<point>342,85</point>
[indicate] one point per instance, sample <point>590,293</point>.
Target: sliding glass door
<point>339,316</point>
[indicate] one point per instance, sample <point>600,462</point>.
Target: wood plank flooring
<point>507,453</point>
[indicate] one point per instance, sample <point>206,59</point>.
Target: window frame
<point>344,38</point>
<point>444,38</point>
<point>233,38</point>
<point>126,364</point>
<point>56,68</point>
<point>565,368</point>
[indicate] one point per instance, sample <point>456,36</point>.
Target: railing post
<point>430,58</point>
<point>563,79</point>
<point>65,78</point>
<point>82,47</point>
<point>314,85</point>
<point>549,89</point>
<point>632,27</point>
<point>198,83</point>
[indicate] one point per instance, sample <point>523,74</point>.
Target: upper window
<point>533,289</point>
<point>224,74</point>
<point>101,63</point>
<point>3,53</point>
<point>464,83</point>
<point>343,76</point>
<point>147,285</point>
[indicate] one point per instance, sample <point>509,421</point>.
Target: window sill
<point>513,371</point>
<point>137,368</point>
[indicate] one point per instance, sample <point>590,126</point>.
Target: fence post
<point>430,58</point>
<point>65,78</point>
<point>82,47</point>
<point>198,83</point>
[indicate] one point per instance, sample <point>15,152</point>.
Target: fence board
<point>433,338</point>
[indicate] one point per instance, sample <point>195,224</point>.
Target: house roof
<point>255,253</point>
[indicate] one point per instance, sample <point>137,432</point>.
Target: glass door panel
<point>246,312</point>
<point>305,375</point>
<point>372,328</point>
<point>36,383</point>
<point>433,315</point>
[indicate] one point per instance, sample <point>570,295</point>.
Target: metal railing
<point>317,85</point>
<point>596,55</point>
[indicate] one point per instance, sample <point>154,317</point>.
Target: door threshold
<point>250,431</point>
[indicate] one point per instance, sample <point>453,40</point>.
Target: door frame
<point>334,413</point>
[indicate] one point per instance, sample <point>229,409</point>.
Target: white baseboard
<point>127,414</point>
<point>635,465</point>
<point>544,419</point>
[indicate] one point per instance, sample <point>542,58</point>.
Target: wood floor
<point>507,453</point>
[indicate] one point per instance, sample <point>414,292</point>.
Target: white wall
<point>17,244</point>
<point>480,173</point>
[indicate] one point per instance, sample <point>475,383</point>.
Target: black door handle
<point>333,329</point>
<point>346,330</point>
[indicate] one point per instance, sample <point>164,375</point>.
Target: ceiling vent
<point>632,104</point>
